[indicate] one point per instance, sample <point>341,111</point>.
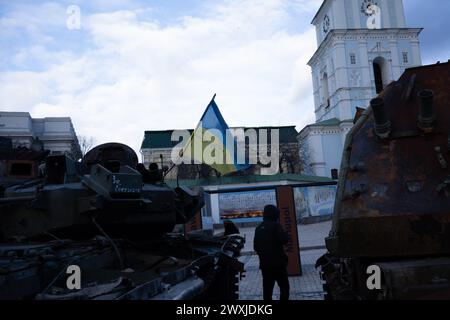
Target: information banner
<point>288,220</point>
<point>314,201</point>
<point>245,206</point>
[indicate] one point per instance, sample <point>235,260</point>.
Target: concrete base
<point>312,220</point>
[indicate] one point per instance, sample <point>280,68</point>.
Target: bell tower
<point>363,45</point>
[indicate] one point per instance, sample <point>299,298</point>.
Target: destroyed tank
<point>97,216</point>
<point>390,236</point>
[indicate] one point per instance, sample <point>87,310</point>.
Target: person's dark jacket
<point>155,174</point>
<point>269,241</point>
<point>144,173</point>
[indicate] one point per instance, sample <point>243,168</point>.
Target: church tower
<point>363,45</point>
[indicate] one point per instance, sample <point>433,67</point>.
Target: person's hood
<point>271,213</point>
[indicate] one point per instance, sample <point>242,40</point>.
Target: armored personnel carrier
<point>392,210</point>
<point>97,217</point>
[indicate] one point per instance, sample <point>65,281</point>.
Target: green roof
<point>162,139</point>
<point>214,181</point>
<point>158,139</point>
<point>328,123</point>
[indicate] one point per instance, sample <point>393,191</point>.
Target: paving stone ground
<point>306,287</point>
<point>309,235</point>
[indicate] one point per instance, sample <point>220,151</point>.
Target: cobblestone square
<point>306,287</point>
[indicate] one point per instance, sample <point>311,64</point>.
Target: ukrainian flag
<point>218,145</point>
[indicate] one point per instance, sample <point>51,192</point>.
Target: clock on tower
<point>326,24</point>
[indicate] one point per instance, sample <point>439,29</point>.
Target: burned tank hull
<point>99,216</point>
<point>106,187</point>
<point>393,201</point>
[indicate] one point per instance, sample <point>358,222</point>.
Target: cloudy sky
<point>150,65</point>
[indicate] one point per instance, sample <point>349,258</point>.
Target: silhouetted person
<point>230,228</point>
<point>268,244</point>
<point>154,173</point>
<point>144,173</point>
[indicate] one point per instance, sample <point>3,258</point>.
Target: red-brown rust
<point>396,203</point>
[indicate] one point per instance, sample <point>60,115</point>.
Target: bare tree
<point>86,144</point>
<point>305,157</point>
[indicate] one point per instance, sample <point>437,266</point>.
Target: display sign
<point>314,201</point>
<point>245,206</point>
<point>288,220</point>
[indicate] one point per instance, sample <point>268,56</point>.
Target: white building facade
<point>363,45</point>
<point>57,134</point>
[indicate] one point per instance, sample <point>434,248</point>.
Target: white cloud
<point>141,76</point>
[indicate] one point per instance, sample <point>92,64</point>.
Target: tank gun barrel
<point>427,114</point>
<point>382,124</point>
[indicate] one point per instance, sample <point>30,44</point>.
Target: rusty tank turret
<point>392,208</point>
<point>99,215</point>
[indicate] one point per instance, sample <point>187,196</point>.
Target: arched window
<point>325,91</point>
<point>380,71</point>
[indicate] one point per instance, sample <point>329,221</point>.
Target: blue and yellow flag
<point>214,144</point>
